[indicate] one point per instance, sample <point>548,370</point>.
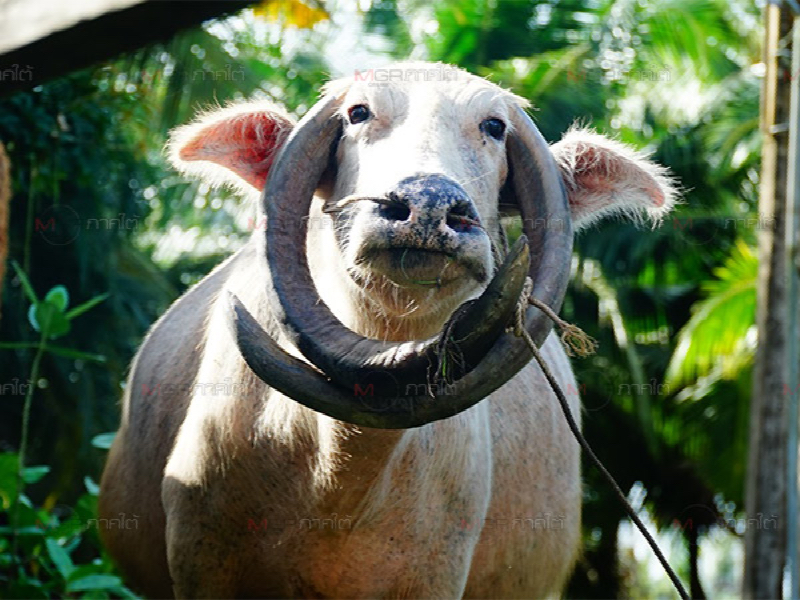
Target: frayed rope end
<point>576,342</point>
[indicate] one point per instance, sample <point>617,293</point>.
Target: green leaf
<point>33,318</point>
<point>58,297</point>
<point>50,313</point>
<point>23,531</point>
<point>103,441</point>
<point>60,558</point>
<point>76,354</point>
<point>95,582</point>
<point>715,338</point>
<point>29,517</point>
<point>64,526</point>
<point>82,308</point>
<point>91,486</point>
<point>34,474</point>
<point>72,543</point>
<point>58,350</point>
<point>44,315</point>
<point>86,506</point>
<point>8,479</point>
<point>26,284</point>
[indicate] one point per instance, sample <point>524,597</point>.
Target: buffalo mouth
<point>408,266</point>
<point>474,354</point>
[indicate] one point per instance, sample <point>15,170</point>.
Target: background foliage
<point>666,396</point>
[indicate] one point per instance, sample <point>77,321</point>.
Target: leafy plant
<point>36,546</point>
<point>52,545</point>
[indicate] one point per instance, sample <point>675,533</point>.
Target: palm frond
<point>719,333</point>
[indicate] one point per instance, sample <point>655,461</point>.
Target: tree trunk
<point>765,548</point>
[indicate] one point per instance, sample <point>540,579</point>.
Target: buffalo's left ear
<point>605,177</point>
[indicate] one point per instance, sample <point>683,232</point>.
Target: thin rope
<point>519,330</point>
<point>576,342</point>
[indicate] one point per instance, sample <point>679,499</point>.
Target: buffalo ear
<point>234,145</point>
<point>604,177</point>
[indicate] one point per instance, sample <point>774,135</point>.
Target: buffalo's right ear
<point>233,145</point>
<point>604,177</point>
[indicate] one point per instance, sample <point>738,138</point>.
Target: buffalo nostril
<point>459,219</point>
<point>394,210</point>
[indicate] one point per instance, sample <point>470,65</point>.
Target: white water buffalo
<point>374,429</point>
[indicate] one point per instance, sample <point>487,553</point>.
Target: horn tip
<point>520,251</point>
<point>237,315</point>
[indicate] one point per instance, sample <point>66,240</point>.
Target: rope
<point>519,330</point>
<point>576,342</point>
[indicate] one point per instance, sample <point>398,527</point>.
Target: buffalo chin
<point>408,282</point>
<point>409,267</point>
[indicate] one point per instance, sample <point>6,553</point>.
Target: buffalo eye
<point>358,113</point>
<point>494,128</point>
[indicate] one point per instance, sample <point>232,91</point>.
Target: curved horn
<point>350,359</point>
<point>546,221</point>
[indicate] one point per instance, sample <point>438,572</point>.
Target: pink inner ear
<point>592,179</point>
<point>246,145</point>
<point>593,182</point>
<point>655,193</point>
<point>601,173</point>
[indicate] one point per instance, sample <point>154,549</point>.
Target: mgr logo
<point>367,391</point>
<point>58,225</point>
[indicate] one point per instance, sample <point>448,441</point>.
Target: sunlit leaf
<point>26,284</point>
<point>58,297</point>
<point>34,474</point>
<point>293,13</point>
<point>94,582</point>
<point>716,335</point>
<point>103,441</point>
<point>60,558</point>
<point>82,308</point>
<point>91,486</point>
<point>46,317</point>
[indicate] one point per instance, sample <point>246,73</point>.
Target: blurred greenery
<point>37,546</point>
<point>666,396</point>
